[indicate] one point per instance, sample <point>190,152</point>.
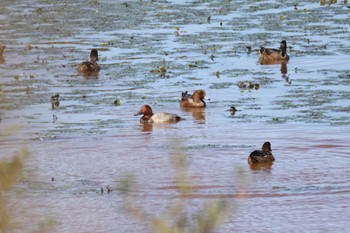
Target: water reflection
<point>89,75</point>
<point>146,127</point>
<point>261,166</point>
<point>284,68</point>
<point>197,113</point>
<point>149,126</point>
<point>284,72</point>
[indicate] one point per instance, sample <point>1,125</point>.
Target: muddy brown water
<point>88,142</point>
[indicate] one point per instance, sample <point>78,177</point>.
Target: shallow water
<point>88,142</point>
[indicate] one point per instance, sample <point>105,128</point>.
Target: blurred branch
<point>180,217</point>
<point>9,174</point>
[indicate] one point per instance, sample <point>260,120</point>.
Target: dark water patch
<point>308,188</point>
<point>235,72</point>
<point>215,146</point>
<point>340,79</point>
<point>221,85</point>
<point>79,187</point>
<point>62,131</point>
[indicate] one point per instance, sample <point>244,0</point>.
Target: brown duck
<point>262,156</point>
<point>196,100</point>
<point>268,55</point>
<point>90,66</point>
<point>2,48</point>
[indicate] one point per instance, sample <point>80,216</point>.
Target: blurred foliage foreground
<point>11,171</point>
<point>9,174</point>
<point>180,217</point>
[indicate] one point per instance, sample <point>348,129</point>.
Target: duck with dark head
<point>90,67</point>
<point>261,157</point>
<point>274,56</point>
<point>2,48</point>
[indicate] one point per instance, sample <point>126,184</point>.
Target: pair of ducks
<point>267,56</point>
<point>264,157</point>
<point>196,100</point>
<point>190,103</point>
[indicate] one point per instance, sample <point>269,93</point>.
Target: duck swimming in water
<point>90,66</point>
<point>262,156</point>
<point>2,48</point>
<point>150,117</point>
<point>270,56</point>
<point>196,100</point>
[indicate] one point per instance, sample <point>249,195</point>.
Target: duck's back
<point>268,54</point>
<point>268,51</point>
<point>164,117</point>
<point>88,66</point>
<point>259,156</point>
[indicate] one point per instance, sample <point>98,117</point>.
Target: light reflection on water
<point>89,143</point>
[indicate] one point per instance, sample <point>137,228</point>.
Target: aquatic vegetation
<point>329,2</point>
<point>55,103</point>
<point>161,70</point>
<point>117,102</point>
<point>248,85</point>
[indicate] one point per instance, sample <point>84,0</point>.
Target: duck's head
<point>145,110</point>
<point>2,48</point>
<point>93,55</point>
<point>184,95</point>
<point>199,94</point>
<point>266,147</point>
<point>283,44</point>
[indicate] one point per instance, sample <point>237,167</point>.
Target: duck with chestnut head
<point>162,117</point>
<point>196,100</point>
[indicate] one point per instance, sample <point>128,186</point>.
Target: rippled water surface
<point>88,143</point>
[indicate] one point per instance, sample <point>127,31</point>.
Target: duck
<point>90,66</point>
<point>150,117</point>
<point>2,48</point>
<point>55,103</point>
<point>269,56</point>
<point>196,100</point>
<point>263,156</point>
